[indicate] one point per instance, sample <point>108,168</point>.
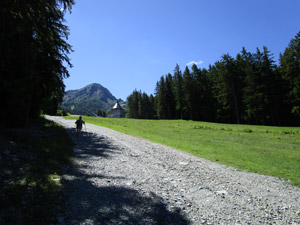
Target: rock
<point>222,192</point>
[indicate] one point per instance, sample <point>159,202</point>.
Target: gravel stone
<point>121,179</point>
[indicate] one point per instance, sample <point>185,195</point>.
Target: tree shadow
<point>89,203</point>
<point>88,144</point>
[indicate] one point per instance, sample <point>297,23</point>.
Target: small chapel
<point>117,111</point>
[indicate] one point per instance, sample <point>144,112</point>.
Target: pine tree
<point>178,91</point>
<point>133,105</point>
<point>161,100</point>
<point>290,70</point>
<point>188,89</point>
<point>203,102</point>
<point>152,105</point>
<point>272,90</point>
<point>226,89</point>
<point>262,84</point>
<point>33,54</point>
<point>170,99</point>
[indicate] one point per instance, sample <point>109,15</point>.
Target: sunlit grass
<point>265,150</point>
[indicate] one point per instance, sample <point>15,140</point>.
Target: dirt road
<point>120,179</point>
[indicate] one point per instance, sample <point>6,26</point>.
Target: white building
<point>117,111</point>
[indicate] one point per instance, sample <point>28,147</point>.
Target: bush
<point>61,112</point>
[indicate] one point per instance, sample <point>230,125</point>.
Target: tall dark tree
<point>161,99</point>
<point>140,106</point>
<point>197,92</point>
<point>133,105</point>
<point>219,92</point>
<point>262,85</point>
<point>203,102</point>
<point>290,70</point>
<point>188,94</point>
<point>170,99</point>
<point>33,54</point>
<point>272,91</point>
<point>178,91</point>
<point>227,86</point>
<point>152,107</point>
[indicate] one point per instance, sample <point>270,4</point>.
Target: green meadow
<point>265,150</point>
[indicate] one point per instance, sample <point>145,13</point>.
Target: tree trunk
<point>27,115</point>
<point>235,105</point>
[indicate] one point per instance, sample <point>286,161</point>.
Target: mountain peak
<point>88,100</point>
<point>94,85</point>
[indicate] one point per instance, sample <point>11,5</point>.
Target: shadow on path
<point>88,203</point>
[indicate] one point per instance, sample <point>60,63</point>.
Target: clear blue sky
<point>129,44</point>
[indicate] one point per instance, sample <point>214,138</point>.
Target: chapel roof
<point>117,106</point>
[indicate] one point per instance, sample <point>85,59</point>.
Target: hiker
<point>79,125</point>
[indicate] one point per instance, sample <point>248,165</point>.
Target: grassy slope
<point>32,160</point>
<point>266,150</point>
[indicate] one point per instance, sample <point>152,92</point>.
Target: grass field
<point>265,150</point>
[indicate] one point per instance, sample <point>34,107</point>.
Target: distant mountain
<point>88,100</point>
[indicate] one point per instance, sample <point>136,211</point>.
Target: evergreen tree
<point>152,106</point>
<point>178,91</point>
<point>101,113</point>
<point>170,99</point>
<point>161,99</point>
<point>33,53</point>
<point>188,94</point>
<point>132,105</point>
<point>272,90</point>
<point>226,88</point>
<point>203,102</point>
<point>290,70</point>
<point>140,106</point>
<point>259,93</point>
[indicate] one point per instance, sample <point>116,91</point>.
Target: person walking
<point>79,123</point>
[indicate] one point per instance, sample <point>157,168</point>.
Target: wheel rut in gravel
<point>120,179</point>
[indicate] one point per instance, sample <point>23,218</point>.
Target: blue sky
<point>129,44</point>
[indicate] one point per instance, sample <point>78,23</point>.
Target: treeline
<point>140,106</point>
<point>247,89</point>
<point>33,55</point>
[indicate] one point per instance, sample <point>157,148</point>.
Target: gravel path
<point>121,179</point>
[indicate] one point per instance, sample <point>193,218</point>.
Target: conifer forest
<point>34,58</point>
<point>247,89</point>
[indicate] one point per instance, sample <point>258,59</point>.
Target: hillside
<point>88,100</point>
